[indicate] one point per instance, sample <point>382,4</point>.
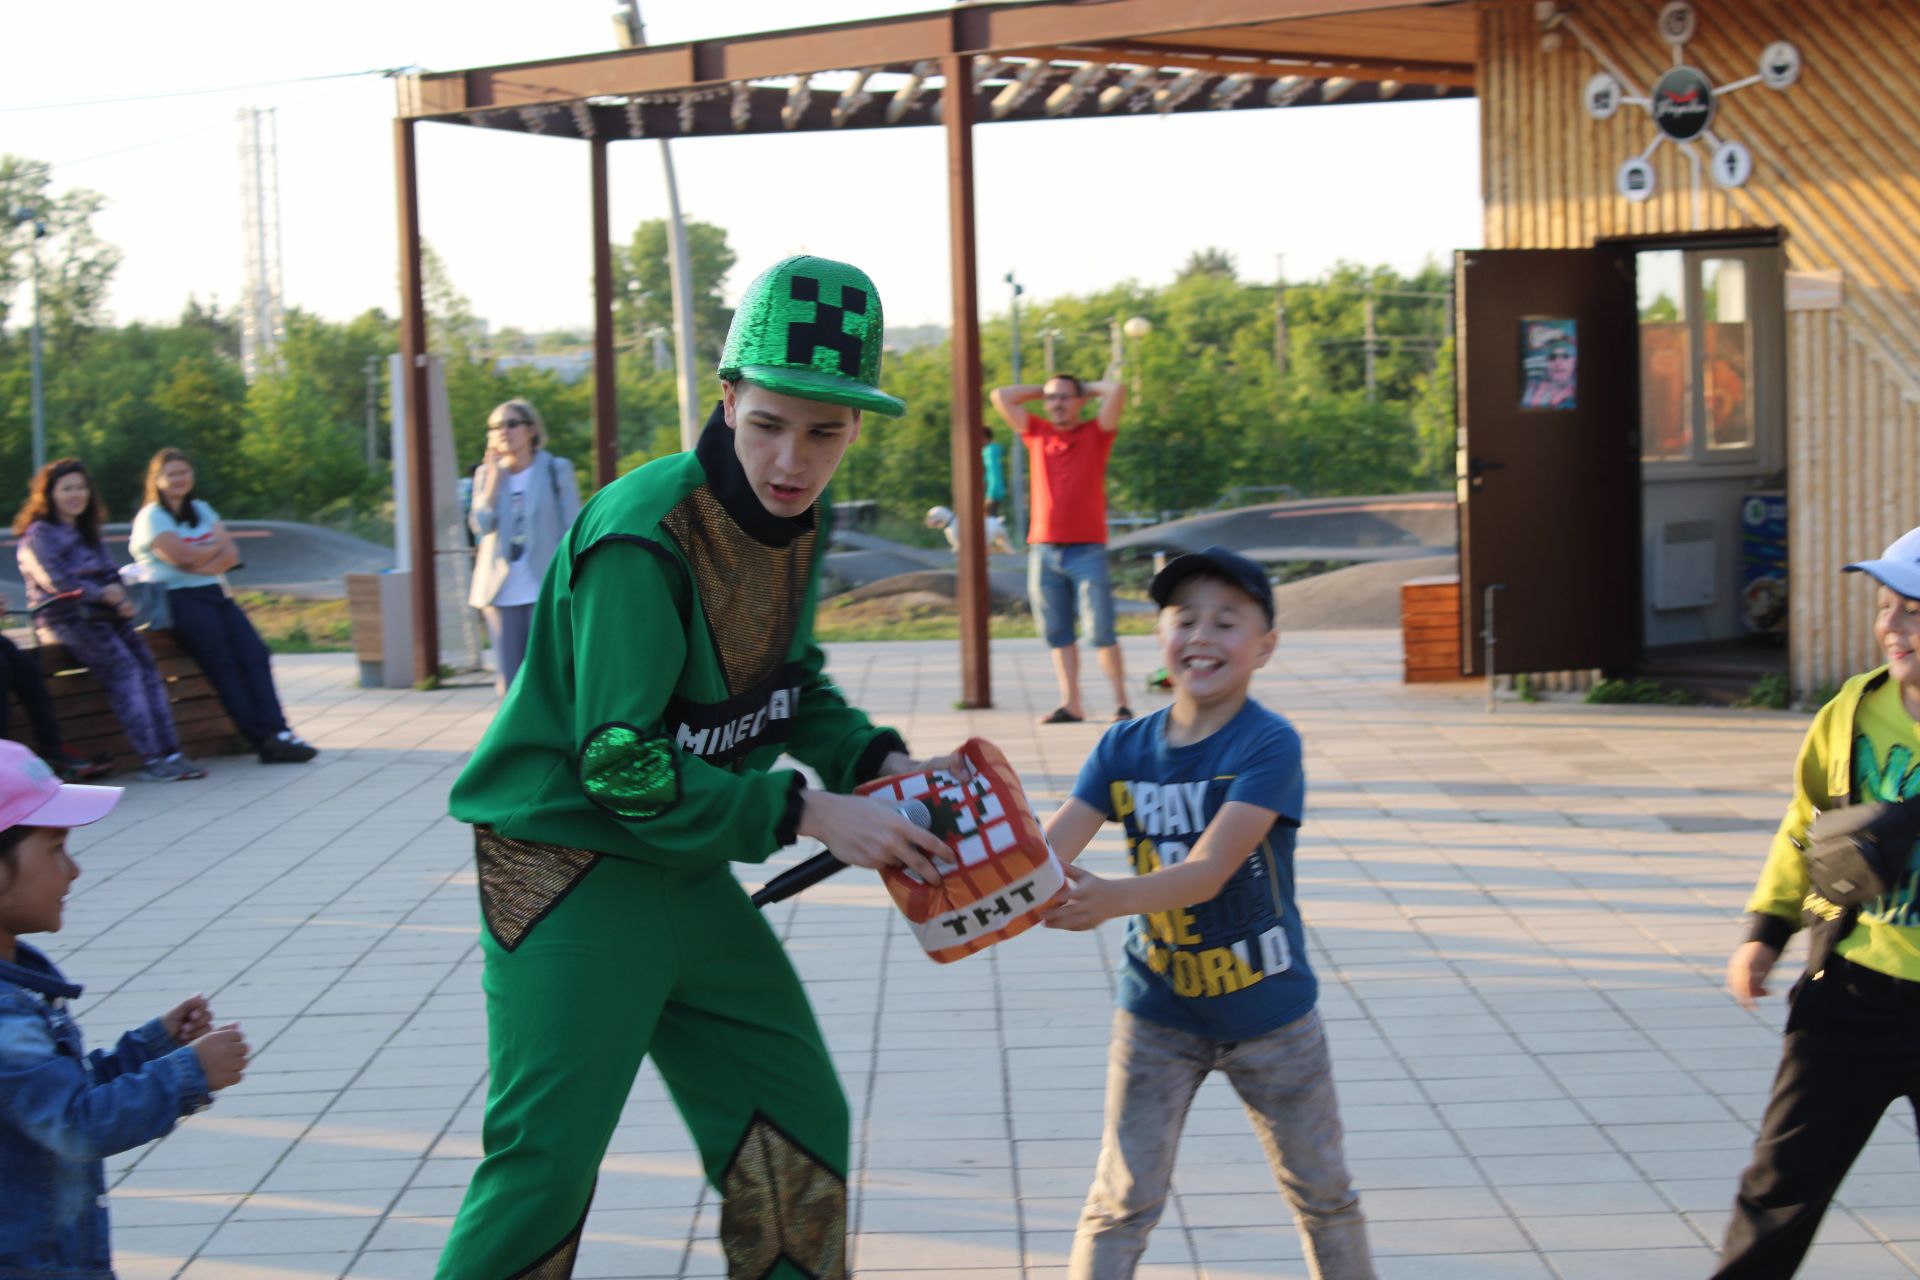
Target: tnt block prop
<point>1002,874</point>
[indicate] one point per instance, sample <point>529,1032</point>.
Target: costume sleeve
<point>1775,905</point>
<point>480,515</point>
<point>835,739</point>
<point>629,647</point>
<point>47,1095</point>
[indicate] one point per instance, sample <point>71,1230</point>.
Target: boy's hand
<point>1089,901</point>
<point>188,1020</point>
<point>863,832</point>
<point>223,1056</point>
<point>1747,971</point>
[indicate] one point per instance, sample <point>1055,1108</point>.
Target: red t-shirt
<point>1069,480</point>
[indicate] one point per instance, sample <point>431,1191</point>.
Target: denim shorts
<point>1056,572</point>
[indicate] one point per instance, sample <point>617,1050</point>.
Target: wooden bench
<point>90,726</point>
<point>1430,629</point>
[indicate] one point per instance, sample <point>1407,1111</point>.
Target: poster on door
<point>1549,363</point>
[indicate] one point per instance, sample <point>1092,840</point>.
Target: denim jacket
<point>63,1111</point>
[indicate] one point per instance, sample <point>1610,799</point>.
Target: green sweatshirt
<point>669,663</point>
<point>1861,747</point>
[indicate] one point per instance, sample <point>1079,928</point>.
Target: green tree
<point>643,285</point>
<point>76,266</point>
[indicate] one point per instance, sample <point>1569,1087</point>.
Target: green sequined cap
<point>812,328</point>
<point>630,773</point>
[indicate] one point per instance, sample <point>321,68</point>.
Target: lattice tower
<point>262,324</point>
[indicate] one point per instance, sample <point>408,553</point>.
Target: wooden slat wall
<point>1836,167</point>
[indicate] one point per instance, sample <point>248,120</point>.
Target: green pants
<point>630,960</point>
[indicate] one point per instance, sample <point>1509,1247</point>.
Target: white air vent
<point>1685,570</point>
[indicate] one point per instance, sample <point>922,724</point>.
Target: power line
<point>190,93</point>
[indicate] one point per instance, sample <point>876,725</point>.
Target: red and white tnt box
<point>1002,874</point>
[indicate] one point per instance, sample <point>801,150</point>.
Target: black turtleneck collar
<point>729,483</point>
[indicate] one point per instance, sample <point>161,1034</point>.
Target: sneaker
<point>286,748</point>
<point>71,766</point>
<point>165,769</point>
<point>187,768</point>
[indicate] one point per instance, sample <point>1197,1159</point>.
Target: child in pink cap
<point>63,1110</point>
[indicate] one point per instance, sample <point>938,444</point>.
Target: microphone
<point>823,864</point>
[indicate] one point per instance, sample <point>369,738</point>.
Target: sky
<point>1069,206</point>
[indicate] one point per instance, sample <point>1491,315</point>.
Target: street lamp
<point>1017,455</point>
<point>1136,328</point>
<point>31,218</point>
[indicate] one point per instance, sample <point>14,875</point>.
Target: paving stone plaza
<point>1519,921</point>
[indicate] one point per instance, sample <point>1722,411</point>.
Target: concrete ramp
<point>276,555</point>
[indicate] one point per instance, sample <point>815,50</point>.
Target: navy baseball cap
<point>1220,563</point>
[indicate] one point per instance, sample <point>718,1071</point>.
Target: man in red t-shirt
<point>1067,540</point>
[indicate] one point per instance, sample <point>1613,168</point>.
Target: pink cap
<point>30,794</point>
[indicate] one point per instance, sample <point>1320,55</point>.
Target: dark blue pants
<point>215,630</point>
<point>20,675</point>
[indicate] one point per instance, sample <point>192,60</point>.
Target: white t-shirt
<point>522,585</point>
<point>996,534</point>
<point>152,521</point>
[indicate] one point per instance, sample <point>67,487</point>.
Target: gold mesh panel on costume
<point>749,591</point>
<point>557,1263</point>
<point>782,1202</point>
<point>521,881</point>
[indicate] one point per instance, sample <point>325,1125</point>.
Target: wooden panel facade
<point>1836,168</point>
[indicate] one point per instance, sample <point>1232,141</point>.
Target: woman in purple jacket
<point>60,552</point>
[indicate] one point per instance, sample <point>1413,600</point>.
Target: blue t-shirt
<point>1234,967</point>
<point>152,521</point>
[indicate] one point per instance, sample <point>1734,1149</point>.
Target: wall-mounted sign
<point>1683,104</point>
<point>1780,64</point>
<point>1603,96</point>
<point>1635,180</point>
<point>1676,22</point>
<point>1549,363</point>
<point>1813,290</point>
<point>1732,165</point>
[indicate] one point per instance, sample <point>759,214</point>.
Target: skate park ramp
<point>1356,597</point>
<point>276,555</point>
<point>1382,527</point>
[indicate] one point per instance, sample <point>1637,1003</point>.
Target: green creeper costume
<point>671,661</point>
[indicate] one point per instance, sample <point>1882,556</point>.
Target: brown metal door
<point>1549,472</point>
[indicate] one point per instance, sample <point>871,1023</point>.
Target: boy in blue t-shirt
<point>1215,975</point>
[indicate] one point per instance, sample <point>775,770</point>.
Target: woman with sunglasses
<point>524,499</point>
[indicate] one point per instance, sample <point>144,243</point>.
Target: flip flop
<point>1122,713</point>
<point>1061,716</point>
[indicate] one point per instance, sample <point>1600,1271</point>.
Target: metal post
<point>37,358</point>
<point>413,349</point>
<point>1486,635</point>
<point>606,415</point>
<point>681,269</point>
<point>1017,453</point>
<point>957,96</point>
<point>1369,313</point>
<point>1279,315</point>
<point>1046,346</point>
<point>373,410</point>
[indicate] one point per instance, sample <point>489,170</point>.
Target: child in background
<point>1215,975</point>
<point>62,1110</point>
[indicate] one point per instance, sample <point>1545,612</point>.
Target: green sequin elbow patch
<point>629,772</point>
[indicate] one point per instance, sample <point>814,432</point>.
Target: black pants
<point>215,630</point>
<point>20,675</point>
<point>1853,1046</point>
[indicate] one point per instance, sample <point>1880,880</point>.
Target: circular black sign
<point>1683,104</point>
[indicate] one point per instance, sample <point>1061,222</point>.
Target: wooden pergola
<point>954,68</point>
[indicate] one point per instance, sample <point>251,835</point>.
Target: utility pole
<point>1046,345</point>
<point>1279,315</point>
<point>631,33</point>
<point>1370,346</point>
<point>1017,455</point>
<point>36,231</point>
<point>373,408</point>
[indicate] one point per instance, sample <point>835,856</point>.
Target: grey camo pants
<point>1285,1081</point>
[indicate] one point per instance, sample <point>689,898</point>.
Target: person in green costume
<point>670,662</point>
